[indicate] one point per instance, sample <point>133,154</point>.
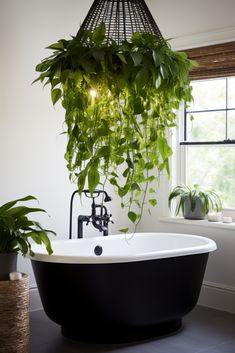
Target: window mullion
<point>185,125</point>
<point>226,114</point>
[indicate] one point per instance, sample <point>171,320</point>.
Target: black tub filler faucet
<point>100,220</point>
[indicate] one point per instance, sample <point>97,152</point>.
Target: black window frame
<point>226,141</point>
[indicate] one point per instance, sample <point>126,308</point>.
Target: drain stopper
<point>98,250</point>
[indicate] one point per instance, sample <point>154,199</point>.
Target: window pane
<point>212,167</point>
<point>209,126</point>
<point>208,94</point>
<point>231,125</point>
<point>231,92</point>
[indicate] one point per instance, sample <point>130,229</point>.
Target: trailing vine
<point>119,103</point>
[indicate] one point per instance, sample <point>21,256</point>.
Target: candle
<point>227,219</point>
<point>15,276</point>
<point>214,216</point>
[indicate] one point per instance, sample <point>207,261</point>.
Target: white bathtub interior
<point>125,247</point>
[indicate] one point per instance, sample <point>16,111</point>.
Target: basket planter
<point>14,316</point>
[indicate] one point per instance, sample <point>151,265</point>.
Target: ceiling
<point>191,22</point>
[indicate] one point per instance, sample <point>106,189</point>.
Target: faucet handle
<point>88,220</point>
<point>110,218</point>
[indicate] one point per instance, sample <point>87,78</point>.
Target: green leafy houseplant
<point>194,202</point>
<point>16,229</point>
<point>119,103</point>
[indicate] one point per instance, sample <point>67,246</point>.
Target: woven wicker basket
<point>14,316</point>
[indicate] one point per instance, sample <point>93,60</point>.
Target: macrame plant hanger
<point>122,18</point>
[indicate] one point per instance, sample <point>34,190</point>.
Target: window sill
<point>199,223</point>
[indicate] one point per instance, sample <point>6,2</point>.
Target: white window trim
<point>179,156</point>
<point>198,223</point>
<point>178,160</point>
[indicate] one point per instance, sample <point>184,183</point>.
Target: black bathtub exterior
<point>120,302</point>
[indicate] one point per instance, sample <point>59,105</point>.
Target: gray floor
<point>204,331</point>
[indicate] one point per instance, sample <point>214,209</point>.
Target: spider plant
<point>206,199</point>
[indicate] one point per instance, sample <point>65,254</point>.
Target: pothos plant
<point>119,103</point>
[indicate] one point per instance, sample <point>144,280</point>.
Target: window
<point>207,149</point>
<point>208,138</point>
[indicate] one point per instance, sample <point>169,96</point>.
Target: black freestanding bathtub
<point>121,288</point>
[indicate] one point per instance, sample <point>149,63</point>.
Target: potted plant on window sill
<point>194,202</point>
<point>16,231</point>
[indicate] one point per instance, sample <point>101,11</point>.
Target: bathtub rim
<point>208,245</point>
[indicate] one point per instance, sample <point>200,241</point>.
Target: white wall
<point>218,290</point>
<point>31,147</point>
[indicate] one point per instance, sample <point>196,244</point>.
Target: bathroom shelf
<point>199,223</point>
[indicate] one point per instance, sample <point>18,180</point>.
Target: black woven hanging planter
<point>122,18</point>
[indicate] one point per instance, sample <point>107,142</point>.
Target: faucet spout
<point>81,220</point>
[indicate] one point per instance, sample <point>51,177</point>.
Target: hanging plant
<point>119,102</point>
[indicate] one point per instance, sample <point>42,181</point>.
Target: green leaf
<point>135,186</point>
<point>98,35</point>
<point>119,160</point>
<point>122,58</point>
<point>142,77</point>
<point>132,216</point>
<point>122,191</point>
<point>56,95</point>
<point>20,211</point>
<point>55,82</point>
<point>136,38</point>
<point>153,135</point>
<point>57,46</point>
<point>158,82</point>
<point>164,148</point>
<point>93,178</point>
<point>10,204</point>
<point>124,230</point>
<point>164,72</point>
<point>46,242</point>
<point>81,179</point>
<point>153,202</point>
<point>64,76</point>
<point>114,174</point>
<point>137,58</point>
<point>35,236</point>
<point>98,55</point>
<point>104,151</point>
<point>23,245</point>
<point>149,166</point>
<point>129,163</point>
<point>157,57</point>
<point>138,106</point>
<point>113,181</point>
<point>126,172</point>
<point>150,178</point>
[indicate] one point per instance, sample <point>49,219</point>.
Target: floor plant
<point>17,231</point>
